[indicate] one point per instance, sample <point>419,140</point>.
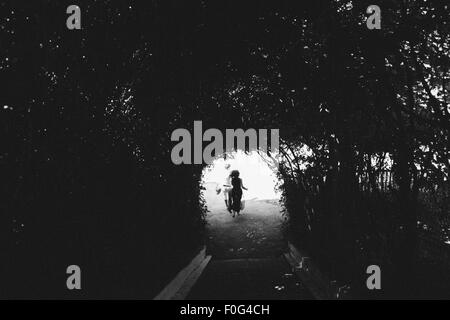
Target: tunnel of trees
<point>86,119</point>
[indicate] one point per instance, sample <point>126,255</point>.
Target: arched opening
<point>248,260</point>
<point>257,231</point>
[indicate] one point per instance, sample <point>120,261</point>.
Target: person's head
<point>234,174</point>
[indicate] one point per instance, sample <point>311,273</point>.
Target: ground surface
<point>256,233</point>
<point>247,256</point>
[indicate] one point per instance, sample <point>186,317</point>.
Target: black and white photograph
<point>225,154</point>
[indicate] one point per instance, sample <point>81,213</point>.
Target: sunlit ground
<point>255,173</point>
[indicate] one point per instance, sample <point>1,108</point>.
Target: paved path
<point>247,260</point>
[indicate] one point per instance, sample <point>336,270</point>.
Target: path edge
<point>319,285</point>
<point>179,287</point>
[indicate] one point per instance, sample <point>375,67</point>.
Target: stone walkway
<point>247,256</point>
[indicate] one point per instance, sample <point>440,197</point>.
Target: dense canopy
<point>86,119</point>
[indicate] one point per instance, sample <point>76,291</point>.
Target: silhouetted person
<point>236,192</point>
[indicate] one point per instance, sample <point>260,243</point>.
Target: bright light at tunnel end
<point>257,172</point>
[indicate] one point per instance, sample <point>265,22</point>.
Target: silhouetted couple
<point>233,193</point>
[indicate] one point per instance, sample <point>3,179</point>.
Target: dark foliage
<point>87,115</point>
